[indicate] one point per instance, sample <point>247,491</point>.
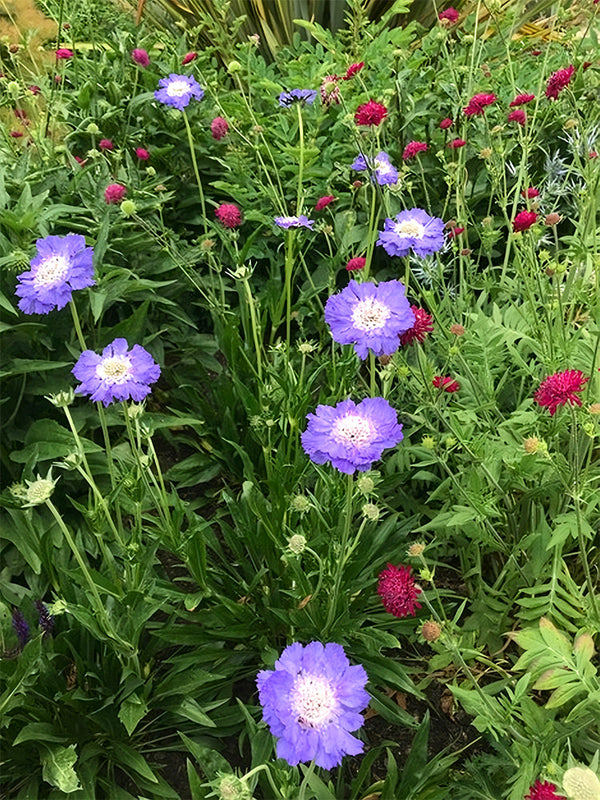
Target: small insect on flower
<point>413,229</point>
<point>559,389</point>
<point>370,114</point>
<point>524,220</point>
<point>178,91</point>
<point>398,591</point>
<point>312,702</point>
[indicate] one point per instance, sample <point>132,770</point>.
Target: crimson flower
<point>142,153</point>
<point>219,128</point>
<point>449,16</point>
<point>530,193</point>
<point>521,99</point>
<point>524,220</point>
<point>559,389</point>
<point>445,123</point>
<point>114,193</point>
<point>188,57</point>
<point>356,264</point>
<point>476,105</point>
<point>446,383</point>
<point>420,330</point>
<point>324,201</point>
<point>141,57</point>
<point>63,52</point>
<point>543,791</point>
<point>456,143</point>
<point>518,115</point>
<point>229,215</point>
<point>370,113</point>
<point>398,592</point>
<point>453,232</point>
<point>412,149</point>
<point>558,81</point>
<point>106,144</point>
<point>352,70</point>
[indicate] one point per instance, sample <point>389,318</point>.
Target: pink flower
<point>524,220</point>
<point>114,193</point>
<point>420,330</point>
<point>558,81</point>
<point>518,115</point>
<point>476,105</point>
<point>35,89</point>
<point>453,232</point>
<point>142,154</point>
<point>592,154</point>
<point>412,148</point>
<point>356,263</point>
<point>229,215</point>
<point>370,113</point>
<point>79,160</point>
<point>530,193</point>
<point>397,590</point>
<point>456,143</point>
<point>521,99</point>
<point>106,144</point>
<point>449,16</point>
<point>352,70</point>
<point>64,52</point>
<point>219,128</point>
<point>330,91</point>
<point>324,201</point>
<point>543,791</point>
<point>446,383</point>
<point>559,389</point>
<point>188,58</point>
<point>445,123</point>
<point>140,57</point>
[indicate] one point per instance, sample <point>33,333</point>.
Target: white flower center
<point>382,166</point>
<point>289,220</point>
<point>370,314</point>
<point>313,700</point>
<point>51,271</point>
<point>410,227</point>
<point>178,88</point>
<point>353,430</point>
<point>114,370</point>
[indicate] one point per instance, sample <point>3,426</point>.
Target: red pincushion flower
<point>446,383</point>
<point>352,70</point>
<point>64,52</point>
<point>324,201</point>
<point>142,153</point>
<point>558,81</point>
<point>518,115</point>
<point>521,99</point>
<point>456,143</point>
<point>219,128</point>
<point>450,16</point>
<point>559,389</point>
<point>141,57</point>
<point>478,103</point>
<point>398,591</point>
<point>229,215</point>
<point>453,232</point>
<point>106,144</point>
<point>356,263</point>
<point>370,113</point>
<point>543,791</point>
<point>412,148</point>
<point>524,220</point>
<point>530,193</point>
<point>188,57</point>
<point>420,330</point>
<point>114,193</point>
<point>445,123</point>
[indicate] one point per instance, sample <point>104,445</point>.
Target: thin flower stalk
<point>196,172</point>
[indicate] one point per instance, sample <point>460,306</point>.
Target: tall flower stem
<point>288,268</point>
<point>372,231</point>
<point>196,172</point>
<point>301,159</point>
<point>77,325</point>
<point>341,558</point>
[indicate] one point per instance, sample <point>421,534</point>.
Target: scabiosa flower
<point>446,383</point>
<point>178,90</point>
<point>412,229</point>
<point>446,123</point>
<point>559,389</point>
<point>370,113</point>
<point>356,264</point>
<point>324,201</point>
<point>62,264</point>
<point>477,104</point>
<point>20,627</point>
<point>142,153</point>
<point>530,193</point>
<point>456,143</point>
<point>398,591</point>
<point>352,70</point>
<point>455,231</point>
<point>114,193</point>
<point>383,170</point>
<point>351,436</point>
<point>140,57</point>
<point>412,149</point>
<point>521,99</point>
<point>421,329</point>
<point>581,783</point>
<point>558,81</point>
<point>543,791</point>
<point>518,115</point>
<point>330,91</point>
<point>449,16</point>
<point>46,620</point>
<point>188,58</point>
<point>312,702</point>
<point>219,128</point>
<point>524,220</point>
<point>370,317</point>
<point>106,144</point>
<point>287,99</point>
<point>295,222</point>
<point>63,53</point>
<point>229,215</point>
<point>117,374</point>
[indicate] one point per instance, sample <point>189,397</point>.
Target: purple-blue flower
<point>62,264</point>
<point>381,167</point>
<point>295,222</point>
<point>351,436</point>
<point>370,317</point>
<point>118,374</point>
<point>178,90</point>
<point>287,99</point>
<point>414,228</point>
<point>20,627</point>
<point>312,701</point>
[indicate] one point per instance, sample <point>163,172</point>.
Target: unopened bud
<point>371,512</point>
<point>300,503</point>
<point>365,484</point>
<point>297,543</point>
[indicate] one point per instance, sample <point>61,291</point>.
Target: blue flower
<point>178,90</point>
<point>62,264</point>
<point>287,99</point>
<point>311,703</point>
<point>295,222</point>
<point>118,374</point>
<point>351,436</point>
<point>381,167</point>
<point>370,317</point>
<point>412,229</point>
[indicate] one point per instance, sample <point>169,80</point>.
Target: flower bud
<point>40,490</point>
<point>128,208</point>
<point>371,512</point>
<point>297,543</point>
<point>93,129</point>
<point>234,66</point>
<point>300,503</point>
<point>61,399</point>
<point>415,550</point>
<point>431,630</point>
<point>365,484</point>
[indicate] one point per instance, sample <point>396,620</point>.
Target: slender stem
<point>196,173</point>
<point>301,160</point>
<point>341,559</point>
<point>289,266</point>
<point>373,373</point>
<point>304,784</point>
<point>77,324</point>
<point>371,234</point>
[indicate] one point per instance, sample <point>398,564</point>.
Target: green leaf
<point>58,768</point>
<point>38,731</point>
<point>132,710</point>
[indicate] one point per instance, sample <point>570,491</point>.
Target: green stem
<point>196,173</point>
<point>301,161</point>
<point>77,325</point>
<point>341,559</point>
<point>371,235</point>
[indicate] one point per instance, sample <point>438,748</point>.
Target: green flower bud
<point>93,129</point>
<point>128,208</point>
<point>234,66</point>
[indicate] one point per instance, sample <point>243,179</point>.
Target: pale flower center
<point>178,88</point>
<point>370,314</point>
<point>289,220</point>
<point>382,167</point>
<point>114,370</point>
<point>410,227</point>
<point>313,700</point>
<point>51,271</point>
<point>353,430</point>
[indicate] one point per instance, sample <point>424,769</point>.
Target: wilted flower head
<point>229,215</point>
<point>477,104</point>
<point>294,222</point>
<point>114,193</point>
<point>421,329</point>
<point>412,149</point>
<point>140,57</point>
<point>178,90</point>
<point>449,16</point>
<point>558,81</point>
<point>521,99</point>
<point>431,630</point>
<point>446,383</point>
<point>559,389</point>
<point>524,220</point>
<point>457,329</point>
<point>330,91</point>
<point>307,96</point>
<point>413,229</point>
<point>543,791</point>
<point>46,620</point>
<point>219,128</point>
<point>581,783</point>
<point>352,70</point>
<point>552,219</point>
<point>384,173</point>
<point>312,701</point>
<point>398,591</point>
